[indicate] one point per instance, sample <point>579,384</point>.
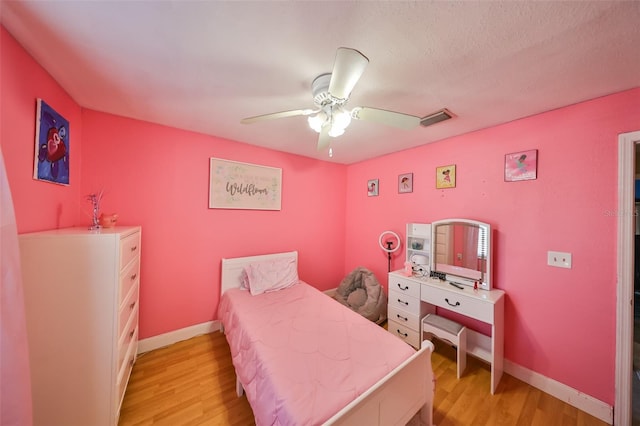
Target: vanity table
<point>483,305</point>
<point>452,270</point>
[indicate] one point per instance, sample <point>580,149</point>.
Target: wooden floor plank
<point>193,383</point>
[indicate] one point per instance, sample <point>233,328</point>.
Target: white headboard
<point>232,268</point>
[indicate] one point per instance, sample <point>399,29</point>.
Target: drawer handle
<point>401,333</point>
<point>402,318</point>
<point>403,302</point>
<point>133,277</point>
<point>134,248</point>
<point>451,304</point>
<point>403,288</point>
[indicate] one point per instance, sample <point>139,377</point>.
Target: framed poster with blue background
<point>51,162</point>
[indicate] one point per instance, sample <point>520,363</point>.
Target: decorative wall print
<point>521,166</point>
<point>51,162</point>
<point>446,177</point>
<point>405,183</point>
<point>372,187</point>
<point>236,185</point>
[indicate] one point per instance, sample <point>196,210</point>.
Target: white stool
<point>450,331</point>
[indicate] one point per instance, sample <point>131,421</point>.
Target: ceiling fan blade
<point>281,114</point>
<point>389,118</point>
<point>324,140</point>
<point>347,70</point>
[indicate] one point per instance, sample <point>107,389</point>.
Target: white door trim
<point>625,246</point>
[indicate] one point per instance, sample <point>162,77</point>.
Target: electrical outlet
<point>559,259</point>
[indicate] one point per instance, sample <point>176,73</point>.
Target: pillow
<point>244,280</point>
<point>271,275</point>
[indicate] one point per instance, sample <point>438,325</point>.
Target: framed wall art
<point>373,187</point>
<point>51,160</point>
<point>405,183</point>
<point>446,177</point>
<point>521,165</point>
<point>236,185</point>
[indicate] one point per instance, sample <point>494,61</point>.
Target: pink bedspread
<point>301,356</point>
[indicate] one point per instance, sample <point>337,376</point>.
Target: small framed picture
<point>521,165</point>
<point>372,187</point>
<point>405,183</point>
<point>446,177</point>
<point>51,161</point>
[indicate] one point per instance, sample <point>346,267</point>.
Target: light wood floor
<point>193,383</point>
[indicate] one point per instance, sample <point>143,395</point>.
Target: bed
<point>304,359</point>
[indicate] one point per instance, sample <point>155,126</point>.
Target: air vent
<point>436,117</point>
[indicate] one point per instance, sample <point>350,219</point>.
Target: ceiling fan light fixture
<point>336,131</point>
<point>340,118</point>
<point>334,116</point>
<point>316,122</point>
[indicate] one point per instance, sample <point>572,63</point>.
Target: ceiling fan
<point>331,92</point>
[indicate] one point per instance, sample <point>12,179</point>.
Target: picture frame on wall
<point>522,165</point>
<point>244,186</point>
<point>51,159</point>
<point>405,183</point>
<point>373,187</point>
<point>446,176</point>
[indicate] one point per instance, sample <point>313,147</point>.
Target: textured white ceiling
<point>204,65</point>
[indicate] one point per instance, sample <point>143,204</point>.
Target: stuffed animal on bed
<point>362,293</point>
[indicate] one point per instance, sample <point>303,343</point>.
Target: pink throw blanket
<point>301,356</point>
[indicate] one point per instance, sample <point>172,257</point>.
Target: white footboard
<point>397,397</point>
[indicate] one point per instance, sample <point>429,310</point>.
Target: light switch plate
<point>559,259</point>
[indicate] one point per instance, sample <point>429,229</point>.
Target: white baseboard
<point>573,397</point>
<point>162,340</point>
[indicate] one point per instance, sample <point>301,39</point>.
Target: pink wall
<point>158,177</point>
<point>559,322</point>
<point>38,205</point>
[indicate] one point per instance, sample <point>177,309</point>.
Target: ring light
<point>389,244</point>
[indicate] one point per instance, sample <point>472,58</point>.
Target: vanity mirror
<point>461,252</point>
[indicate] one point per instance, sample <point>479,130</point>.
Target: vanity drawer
<point>404,302</point>
<point>129,248</point>
<point>403,317</point>
<point>455,301</point>
<point>405,286</point>
<point>410,336</point>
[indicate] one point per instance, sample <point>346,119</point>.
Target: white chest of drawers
<point>81,302</point>
<point>404,309</point>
